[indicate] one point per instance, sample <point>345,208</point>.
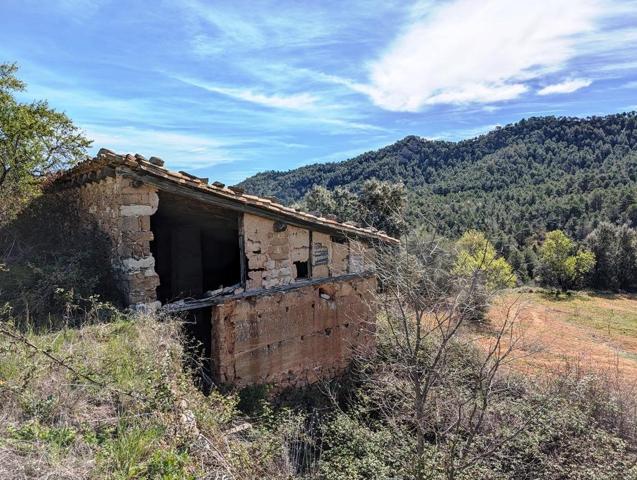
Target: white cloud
<point>300,101</point>
<point>465,51</point>
<point>567,86</point>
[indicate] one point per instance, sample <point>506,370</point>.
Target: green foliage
<point>382,206</point>
<point>253,399</point>
<point>35,141</point>
<point>562,265</point>
<point>134,451</point>
<point>354,451</point>
<point>615,250</point>
<point>58,438</point>
<point>477,254</point>
<point>45,275</point>
<point>378,204</point>
<point>513,184</point>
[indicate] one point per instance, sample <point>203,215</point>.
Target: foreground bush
<point>573,425</point>
<point>117,401</point>
<point>50,259</point>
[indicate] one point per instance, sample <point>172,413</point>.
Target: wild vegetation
<point>90,391</point>
<point>119,400</point>
<point>117,397</point>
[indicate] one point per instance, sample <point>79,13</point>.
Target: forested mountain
<point>513,183</point>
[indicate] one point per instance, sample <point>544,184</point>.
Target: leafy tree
<point>615,249</point>
<point>518,264</point>
<point>477,254</point>
<point>35,140</point>
<point>626,257</point>
<point>379,204</point>
<point>603,243</point>
<point>562,265</point>
<point>346,205</point>
<point>319,199</point>
<point>383,206</point>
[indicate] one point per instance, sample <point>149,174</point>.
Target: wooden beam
<point>242,254</point>
<point>209,302</point>
<point>237,205</point>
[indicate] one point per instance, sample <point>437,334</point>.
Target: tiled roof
<point>154,167</point>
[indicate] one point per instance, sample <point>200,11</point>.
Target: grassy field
<point>587,330</point>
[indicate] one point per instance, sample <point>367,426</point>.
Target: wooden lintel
<point>259,292</point>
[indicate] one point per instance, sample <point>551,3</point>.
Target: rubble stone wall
<point>293,338</point>
<point>122,210</point>
<point>271,251</point>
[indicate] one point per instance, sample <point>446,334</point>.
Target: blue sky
<point>228,89</point>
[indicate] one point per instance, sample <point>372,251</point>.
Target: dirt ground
<point>587,331</point>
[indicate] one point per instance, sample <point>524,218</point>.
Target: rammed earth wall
<point>271,251</point>
<point>293,338</point>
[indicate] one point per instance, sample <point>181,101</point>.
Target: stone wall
<point>293,338</point>
<point>122,210</point>
<point>271,250</point>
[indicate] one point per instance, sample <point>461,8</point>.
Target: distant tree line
<point>606,259</point>
<point>514,184</point>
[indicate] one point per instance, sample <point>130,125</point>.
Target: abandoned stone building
<point>276,295</point>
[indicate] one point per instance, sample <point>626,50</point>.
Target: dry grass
<point>142,418</point>
<point>586,331</point>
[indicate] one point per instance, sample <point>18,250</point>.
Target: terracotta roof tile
<point>138,163</point>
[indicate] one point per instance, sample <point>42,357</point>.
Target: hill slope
<point>540,173</point>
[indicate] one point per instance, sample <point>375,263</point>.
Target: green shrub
<point>53,263</point>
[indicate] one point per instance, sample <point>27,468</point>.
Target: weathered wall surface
<point>271,254</point>
<point>293,338</point>
<point>321,254</point>
<point>122,210</point>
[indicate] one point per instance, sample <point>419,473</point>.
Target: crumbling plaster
<point>271,251</point>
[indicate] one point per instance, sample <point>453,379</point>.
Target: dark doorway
<point>196,247</point>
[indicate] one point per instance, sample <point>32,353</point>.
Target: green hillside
<point>514,182</point>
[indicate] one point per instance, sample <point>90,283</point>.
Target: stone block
<point>136,264</point>
<point>136,210</point>
<point>130,224</point>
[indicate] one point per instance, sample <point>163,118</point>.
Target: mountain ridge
<point>552,172</point>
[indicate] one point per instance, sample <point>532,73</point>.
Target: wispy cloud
<point>567,86</point>
<point>314,109</point>
<point>299,101</point>
<point>219,27</point>
<point>463,51</point>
